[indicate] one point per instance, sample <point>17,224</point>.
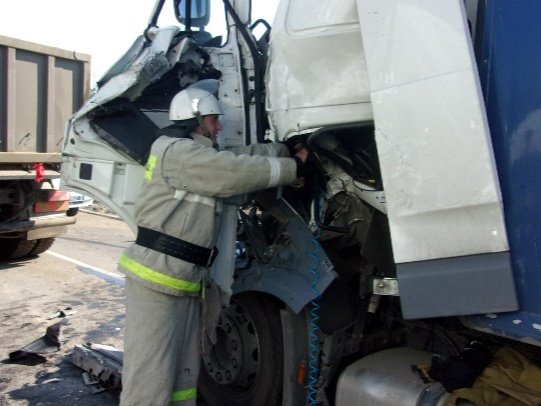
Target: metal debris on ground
<point>68,311</point>
<point>52,380</point>
<point>102,363</point>
<point>89,379</point>
<point>50,342</point>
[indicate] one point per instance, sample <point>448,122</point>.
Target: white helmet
<point>196,100</point>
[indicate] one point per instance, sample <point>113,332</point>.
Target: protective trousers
<point>161,348</point>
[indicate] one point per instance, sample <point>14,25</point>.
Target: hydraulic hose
<point>258,73</point>
<point>314,347</point>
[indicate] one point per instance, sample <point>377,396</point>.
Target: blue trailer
<point>511,80</point>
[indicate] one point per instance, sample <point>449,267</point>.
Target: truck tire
<point>245,366</point>
<point>41,246</point>
<point>14,248</point>
<point>72,212</point>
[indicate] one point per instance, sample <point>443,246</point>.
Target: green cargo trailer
<point>40,88</point>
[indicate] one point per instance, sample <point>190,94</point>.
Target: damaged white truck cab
<point>398,238</point>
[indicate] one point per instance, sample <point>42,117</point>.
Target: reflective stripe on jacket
<point>182,180</point>
<point>182,395</point>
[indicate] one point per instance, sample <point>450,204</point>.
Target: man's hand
<point>298,184</point>
<point>300,157</point>
<point>302,154</point>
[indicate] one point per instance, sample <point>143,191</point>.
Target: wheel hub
<point>235,357</point>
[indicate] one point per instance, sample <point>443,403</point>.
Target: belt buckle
<point>212,257</point>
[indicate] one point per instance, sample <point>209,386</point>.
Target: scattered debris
<point>52,380</point>
<point>89,379</point>
<point>68,311</point>
<point>50,342</point>
<point>26,358</point>
<point>102,363</point>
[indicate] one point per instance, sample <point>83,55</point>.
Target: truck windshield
<point>217,25</point>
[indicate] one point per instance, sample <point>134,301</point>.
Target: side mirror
<point>192,13</point>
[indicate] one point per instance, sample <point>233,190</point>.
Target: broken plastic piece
<point>26,358</point>
<point>50,342</point>
<point>102,363</point>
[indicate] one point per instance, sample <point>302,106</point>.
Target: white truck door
<point>103,167</point>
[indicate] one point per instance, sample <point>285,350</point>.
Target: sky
<point>104,29</point>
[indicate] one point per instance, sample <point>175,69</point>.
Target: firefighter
<point>177,214</point>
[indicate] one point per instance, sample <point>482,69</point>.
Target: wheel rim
<point>234,360</point>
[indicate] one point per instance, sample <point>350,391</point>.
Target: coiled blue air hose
<point>314,348</point>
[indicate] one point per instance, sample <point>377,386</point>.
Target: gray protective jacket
<point>184,179</point>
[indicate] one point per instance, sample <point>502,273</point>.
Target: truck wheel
<point>245,366</point>
<point>41,246</point>
<point>72,212</point>
<point>13,249</point>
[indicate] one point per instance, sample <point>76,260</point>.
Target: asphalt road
<point>78,276</point>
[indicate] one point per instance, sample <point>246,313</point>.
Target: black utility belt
<point>175,247</point>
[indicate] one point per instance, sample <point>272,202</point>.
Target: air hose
<point>314,347</point>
